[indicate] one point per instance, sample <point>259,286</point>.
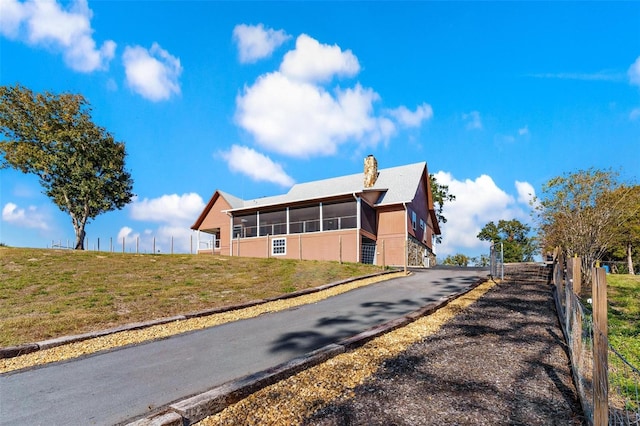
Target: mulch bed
<point>501,361</point>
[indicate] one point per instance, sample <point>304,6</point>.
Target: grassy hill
<point>623,294</point>
<point>50,293</point>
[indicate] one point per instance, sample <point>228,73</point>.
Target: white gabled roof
<point>398,185</point>
<point>234,202</point>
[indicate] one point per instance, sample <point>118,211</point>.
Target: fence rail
<point>606,382</point>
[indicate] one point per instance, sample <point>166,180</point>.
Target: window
<point>273,223</point>
<point>279,246</point>
<point>304,219</point>
<point>341,215</point>
<point>421,224</point>
<point>245,226</point>
<point>414,217</point>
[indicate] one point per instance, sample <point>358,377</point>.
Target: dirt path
<point>501,361</point>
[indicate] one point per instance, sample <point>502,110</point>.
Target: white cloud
<point>634,72</point>
<point>412,118</point>
<point>255,42</point>
<point>634,114</point>
<point>293,112</point>
<point>523,131</point>
<point>172,209</point>
<point>12,15</point>
<point>175,214</point>
<point>46,23</point>
<point>314,62</point>
<point>255,165</point>
<point>127,233</point>
<point>24,218</point>
<point>300,119</point>
<point>526,192</point>
<point>473,120</point>
<point>152,73</point>
<point>164,239</point>
<point>183,239</point>
<point>477,203</point>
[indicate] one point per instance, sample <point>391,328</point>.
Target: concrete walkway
<point>116,386</point>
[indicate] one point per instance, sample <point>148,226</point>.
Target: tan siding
<point>216,218</point>
<point>391,222</point>
<point>390,250</point>
<point>312,245</point>
<point>391,231</point>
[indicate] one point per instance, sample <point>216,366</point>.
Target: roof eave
<point>302,200</point>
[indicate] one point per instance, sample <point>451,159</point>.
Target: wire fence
<point>620,267</point>
<point>496,260</point>
<point>607,383</point>
<point>143,244</point>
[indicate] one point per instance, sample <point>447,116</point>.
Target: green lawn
<point>51,293</point>
<point>623,293</point>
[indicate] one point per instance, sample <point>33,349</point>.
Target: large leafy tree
<point>441,196</point>
<point>79,164</point>
<point>514,235</point>
<point>458,259</point>
<point>582,212</point>
<point>626,239</point>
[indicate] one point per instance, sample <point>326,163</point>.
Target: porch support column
<point>231,235</point>
<point>288,227</point>
<point>358,226</point>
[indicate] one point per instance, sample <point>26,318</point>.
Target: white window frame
<point>278,246</point>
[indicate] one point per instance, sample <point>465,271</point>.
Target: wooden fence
<point>607,383</point>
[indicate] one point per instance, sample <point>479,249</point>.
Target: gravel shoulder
<point>493,357</point>
<point>500,361</point>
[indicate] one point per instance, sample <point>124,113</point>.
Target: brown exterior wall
<point>371,197</point>
<point>330,245</point>
<point>216,218</point>
<point>391,236</point>
<point>420,206</point>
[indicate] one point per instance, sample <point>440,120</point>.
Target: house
<point>382,217</point>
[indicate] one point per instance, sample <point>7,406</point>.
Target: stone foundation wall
<point>418,252</point>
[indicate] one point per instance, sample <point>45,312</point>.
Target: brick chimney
<point>370,171</point>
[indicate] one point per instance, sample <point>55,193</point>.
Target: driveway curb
<point>195,408</point>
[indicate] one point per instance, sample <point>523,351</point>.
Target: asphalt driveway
<point>114,386</point>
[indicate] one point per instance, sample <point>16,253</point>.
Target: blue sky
<point>251,97</point>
